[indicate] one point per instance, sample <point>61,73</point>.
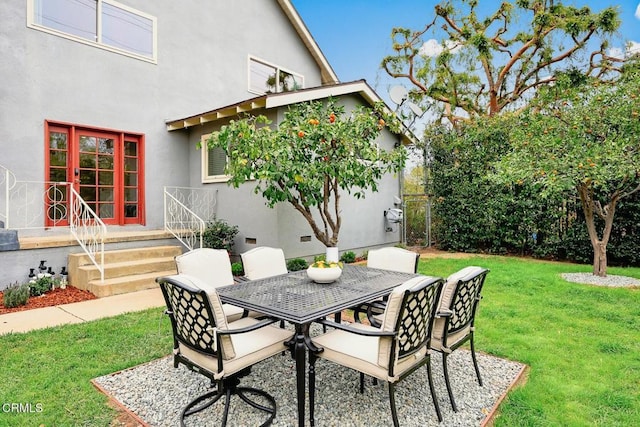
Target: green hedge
<point>472,213</point>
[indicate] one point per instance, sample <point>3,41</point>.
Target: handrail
<point>182,222</point>
<point>88,229</point>
<point>7,182</point>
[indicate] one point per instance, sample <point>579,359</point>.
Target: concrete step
<point>80,259</point>
<point>113,270</point>
<point>127,284</point>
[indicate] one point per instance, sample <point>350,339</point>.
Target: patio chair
<point>222,351</point>
<point>390,353</point>
<point>455,318</point>
<point>262,262</point>
<point>390,258</point>
<point>213,268</point>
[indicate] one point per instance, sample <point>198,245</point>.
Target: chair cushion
<point>437,337</point>
<point>392,258</point>
<point>451,284</point>
<point>361,353</point>
<point>212,266</point>
<point>262,262</point>
<point>251,348</point>
<point>391,313</point>
<point>218,312</point>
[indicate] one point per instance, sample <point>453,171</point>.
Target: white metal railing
<point>184,210</point>
<point>201,201</point>
<point>182,222</point>
<point>88,229</point>
<point>31,204</point>
<point>7,181</point>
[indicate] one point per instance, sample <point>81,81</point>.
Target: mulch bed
<point>56,297</point>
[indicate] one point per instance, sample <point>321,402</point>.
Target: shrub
<point>219,235</point>
<point>237,269</point>
<point>348,257</point>
<point>321,257</point>
<point>16,295</point>
<point>41,285</point>
<point>296,264</point>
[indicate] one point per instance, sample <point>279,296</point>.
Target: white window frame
<point>206,178</point>
<point>278,69</point>
<point>31,6</point>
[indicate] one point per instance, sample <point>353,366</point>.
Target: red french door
<point>104,167</point>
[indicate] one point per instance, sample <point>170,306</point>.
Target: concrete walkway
<point>25,321</point>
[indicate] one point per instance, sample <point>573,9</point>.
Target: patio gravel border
<point>154,393</point>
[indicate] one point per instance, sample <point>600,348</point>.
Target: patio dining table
<point>299,300</point>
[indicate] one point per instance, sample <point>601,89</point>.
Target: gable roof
<point>328,76</point>
<point>274,100</point>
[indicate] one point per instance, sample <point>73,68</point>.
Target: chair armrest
<point>261,324</point>
<point>444,312</point>
<point>358,331</point>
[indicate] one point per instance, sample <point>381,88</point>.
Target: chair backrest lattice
<point>465,302</point>
<point>191,316</point>
<point>416,316</point>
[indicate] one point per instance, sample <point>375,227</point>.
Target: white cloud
<point>638,11</point>
<point>433,48</point>
<point>621,53</point>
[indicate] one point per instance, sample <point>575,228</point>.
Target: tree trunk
<point>599,258</point>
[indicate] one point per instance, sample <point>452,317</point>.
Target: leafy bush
<point>237,269</point>
<point>219,235</point>
<point>296,264</point>
<point>16,295</point>
<point>348,257</point>
<point>321,257</point>
<point>41,285</point>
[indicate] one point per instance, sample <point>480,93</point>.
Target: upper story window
<point>269,78</point>
<point>102,23</point>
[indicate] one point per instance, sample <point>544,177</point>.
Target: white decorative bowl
<point>324,275</point>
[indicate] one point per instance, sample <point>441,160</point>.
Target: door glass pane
<point>57,175</point>
<point>127,31</point>
<point>87,160</point>
<point>106,194</point>
<point>105,145</point>
<point>105,210</point>
<point>105,178</point>
<point>58,141</point>
<point>87,177</point>
<point>130,211</point>
<point>130,179</point>
<point>77,17</point>
<point>130,195</point>
<point>130,164</point>
<point>105,162</point>
<point>58,158</point>
<point>87,144</point>
<point>88,194</point>
<point>130,148</point>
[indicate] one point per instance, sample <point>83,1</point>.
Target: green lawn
<point>581,342</point>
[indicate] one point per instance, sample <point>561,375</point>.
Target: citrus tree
<point>582,136</point>
<point>315,153</point>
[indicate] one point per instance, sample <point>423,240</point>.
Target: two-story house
<point>104,102</point>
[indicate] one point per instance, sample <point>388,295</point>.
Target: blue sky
<point>354,35</point>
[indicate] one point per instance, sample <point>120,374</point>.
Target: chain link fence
<point>417,220</point>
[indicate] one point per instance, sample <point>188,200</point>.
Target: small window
<point>214,161</point>
<point>268,78</point>
<point>101,23</point>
